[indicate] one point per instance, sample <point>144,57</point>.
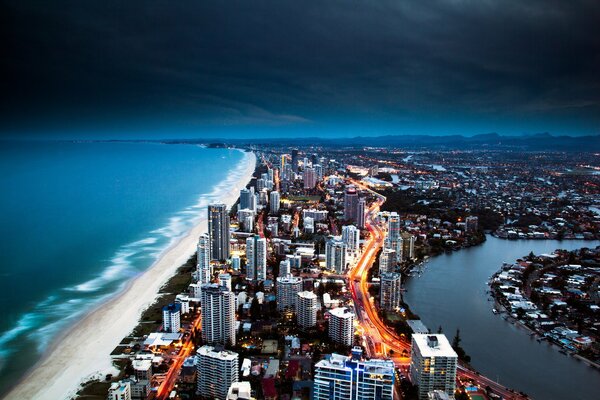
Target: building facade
<point>218,231</point>
<point>432,364</point>
<point>288,288</point>
<point>390,291</point>
<point>218,315</point>
<point>217,371</point>
<point>256,258</point>
<point>341,325</point>
<point>306,309</point>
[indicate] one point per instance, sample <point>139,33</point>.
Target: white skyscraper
<point>218,315</point>
<point>306,309</point>
<point>432,364</point>
<point>274,200</point>
<point>341,325</point>
<point>389,291</point>
<point>256,258</point>
<point>172,318</point>
<point>217,370</point>
<point>204,268</point>
<point>288,288</point>
<point>335,256</point>
<point>351,236</point>
<point>218,231</point>
<point>342,378</point>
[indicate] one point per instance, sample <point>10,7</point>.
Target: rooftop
<point>433,345</point>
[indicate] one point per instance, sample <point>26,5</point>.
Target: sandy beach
<point>83,352</point>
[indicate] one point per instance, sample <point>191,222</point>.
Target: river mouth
<point>452,293</point>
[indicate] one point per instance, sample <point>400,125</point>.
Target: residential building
<point>203,266</point>
<point>335,255</point>
<point>256,258</point>
<point>218,315</point>
<point>432,364</point>
<point>361,213</point>
<point>351,204</point>
<point>351,237</point>
<point>225,280</point>
<point>217,371</point>
<point>387,261</point>
<point>274,201</point>
<point>120,391</point>
<point>309,177</point>
<point>240,391</point>
<point>288,288</point>
<point>218,231</point>
<point>341,325</point>
<point>172,318</point>
<point>306,309</point>
<point>390,291</point>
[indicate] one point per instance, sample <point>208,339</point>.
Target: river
<point>451,293</point>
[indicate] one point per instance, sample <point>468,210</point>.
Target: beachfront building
<point>218,231</point>
<point>288,288</point>
<point>217,371</point>
<point>335,255</point>
<point>432,364</point>
<point>172,318</point>
<point>341,325</point>
<point>306,309</point>
<point>343,378</point>
<point>203,265</point>
<point>218,315</point>
<point>120,391</point>
<point>390,291</point>
<point>247,199</point>
<point>256,258</point>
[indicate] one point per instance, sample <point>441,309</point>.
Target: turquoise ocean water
<point>77,220</point>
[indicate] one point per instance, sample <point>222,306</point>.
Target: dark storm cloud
<point>303,63</point>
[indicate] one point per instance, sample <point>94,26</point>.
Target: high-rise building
<point>288,288</point>
<point>225,280</point>
<point>387,261</point>
<point>361,216</point>
<point>284,268</point>
<point>172,318</point>
<point>256,258</point>
<point>274,200</point>
<point>407,242</point>
<point>218,231</point>
<point>203,266</point>
<point>390,291</point>
<point>306,309</point>
<point>351,236</point>
<point>343,378</point>
<point>309,176</point>
<point>393,239</point>
<point>318,171</point>
<point>295,160</point>
<point>351,204</point>
<point>341,325</point>
<point>217,371</point>
<point>235,262</point>
<point>218,315</point>
<point>120,391</point>
<point>335,256</point>
<point>247,199</point>
<point>432,364</point>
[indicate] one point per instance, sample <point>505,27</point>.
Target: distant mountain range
<point>535,142</point>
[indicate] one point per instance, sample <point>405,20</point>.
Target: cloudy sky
<point>272,68</point>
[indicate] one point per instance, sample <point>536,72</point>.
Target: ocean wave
<point>48,317</point>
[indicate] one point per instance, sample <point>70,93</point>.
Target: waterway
<point>452,293</point>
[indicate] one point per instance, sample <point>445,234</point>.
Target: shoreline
<point>83,352</point>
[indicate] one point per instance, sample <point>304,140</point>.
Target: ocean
<point>78,220</point>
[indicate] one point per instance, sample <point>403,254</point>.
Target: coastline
<point>83,352</point>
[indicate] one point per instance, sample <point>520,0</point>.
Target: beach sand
<point>83,352</point>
